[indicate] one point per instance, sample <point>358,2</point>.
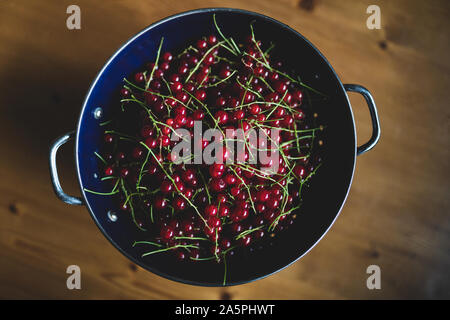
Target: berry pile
<point>200,211</point>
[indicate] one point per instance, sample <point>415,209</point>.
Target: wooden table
<point>397,214</point>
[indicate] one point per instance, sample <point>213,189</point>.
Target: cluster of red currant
<point>201,211</point>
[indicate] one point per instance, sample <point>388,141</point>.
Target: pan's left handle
<point>54,172</point>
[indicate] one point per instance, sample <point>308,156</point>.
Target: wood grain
<point>397,214</point>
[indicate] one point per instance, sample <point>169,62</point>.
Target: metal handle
<point>54,172</point>
<point>373,114</point>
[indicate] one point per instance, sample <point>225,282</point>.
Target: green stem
<point>150,78</point>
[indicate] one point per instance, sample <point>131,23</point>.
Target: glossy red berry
<point>151,169</point>
<point>179,203</point>
<point>167,56</point>
<point>225,243</point>
<point>299,171</point>
<point>235,191</point>
<point>220,102</point>
<point>263,195</point>
<point>224,211</point>
<point>237,228</point>
<point>240,213</point>
<point>187,226</point>
<point>218,184</point>
<point>108,138</point>
<point>189,87</point>
<point>254,109</point>
<point>160,203</point>
<point>124,172</point>
<point>183,69</point>
<point>167,186</point>
<point>221,199</point>
<point>167,233</point>
<point>125,93</point>
<point>198,115</point>
<point>246,240</point>
<point>299,115</point>
<point>146,131</point>
<point>211,233</point>
<point>214,222</point>
<point>137,153</point>
<point>260,207</point>
<point>181,255</point>
<point>180,120</point>
<point>194,254</point>
<point>211,210</point>
<point>280,87</point>
<point>216,170</point>
<point>212,40</point>
<point>164,66</point>
<point>230,179</point>
<point>164,140</point>
<point>120,156</point>
<point>298,95</point>
<point>272,203</point>
<point>192,61</point>
<point>209,59</point>
<point>158,74</point>
<point>188,175</point>
<point>259,234</point>
<point>221,117</point>
<point>224,73</point>
<point>188,192</point>
<point>202,44</point>
<point>151,142</point>
<point>288,121</point>
<point>174,77</point>
<point>176,87</point>
<point>109,171</point>
<point>139,77</point>
<point>200,95</point>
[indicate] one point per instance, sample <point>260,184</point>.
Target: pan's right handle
<point>54,172</point>
<point>373,114</point>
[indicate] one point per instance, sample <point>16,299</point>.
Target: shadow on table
<point>43,86</point>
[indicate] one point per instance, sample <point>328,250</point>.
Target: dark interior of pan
<point>322,200</point>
